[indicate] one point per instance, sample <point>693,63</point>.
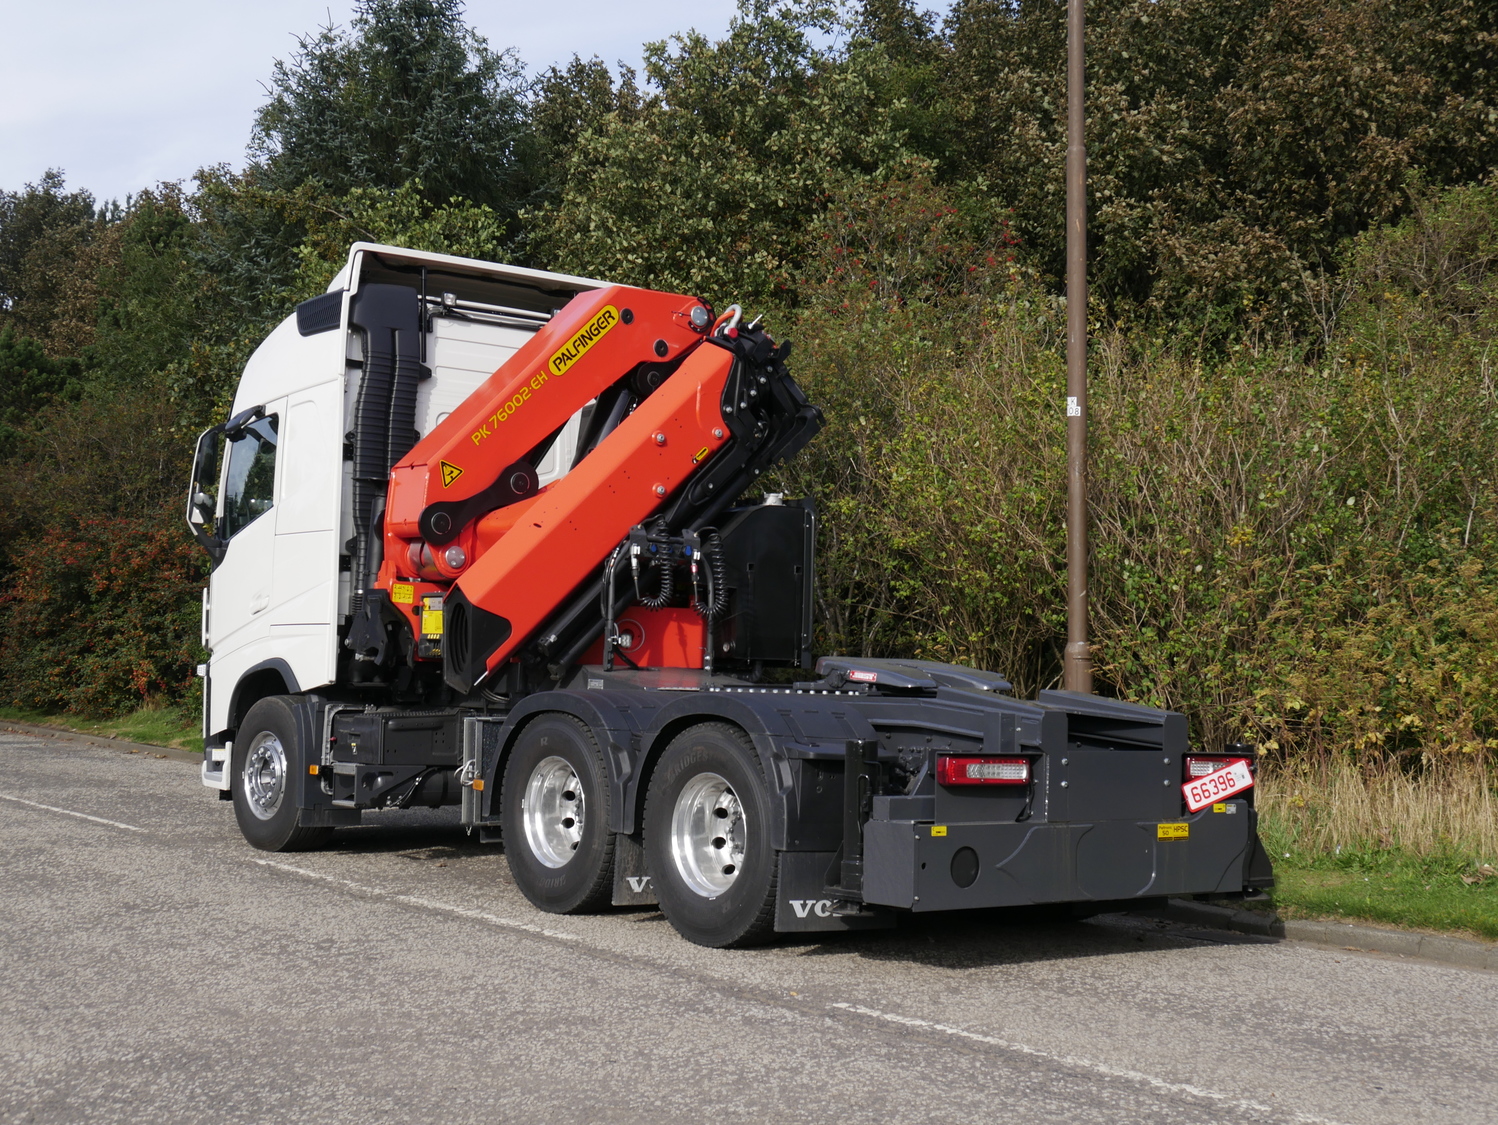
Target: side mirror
<point>200,508</point>
<point>200,505</point>
<point>233,429</point>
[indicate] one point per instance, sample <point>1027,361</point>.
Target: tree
<point>52,245</point>
<point>408,94</point>
<point>1233,145</point>
<point>710,185</point>
<point>29,381</point>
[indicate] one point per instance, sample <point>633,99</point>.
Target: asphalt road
<point>153,968</point>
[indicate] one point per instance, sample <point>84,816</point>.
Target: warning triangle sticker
<point>450,473</point>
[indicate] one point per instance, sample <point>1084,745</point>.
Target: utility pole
<point>1077,665</point>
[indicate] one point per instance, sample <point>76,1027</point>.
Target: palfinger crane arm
<point>685,416</point>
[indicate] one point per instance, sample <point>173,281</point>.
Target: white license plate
<point>1234,777</point>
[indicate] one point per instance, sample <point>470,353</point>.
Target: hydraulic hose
<point>716,574</point>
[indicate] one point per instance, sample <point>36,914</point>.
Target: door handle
<point>259,602</point>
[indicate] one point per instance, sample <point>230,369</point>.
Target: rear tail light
<point>1199,765</point>
<point>951,770</point>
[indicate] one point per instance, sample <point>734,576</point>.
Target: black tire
<point>265,772</point>
<point>734,906</point>
<point>562,856</point>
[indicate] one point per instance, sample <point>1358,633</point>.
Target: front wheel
<point>707,839</point>
<point>265,769</point>
<point>554,811</point>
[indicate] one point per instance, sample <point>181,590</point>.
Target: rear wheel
<point>265,770</point>
<point>707,838</point>
<point>555,817</point>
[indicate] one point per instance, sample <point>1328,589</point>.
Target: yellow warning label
<point>1173,831</point>
<point>431,622</point>
<point>577,347</point>
<point>402,593</point>
<point>1220,808</point>
<point>450,473</point>
<point>938,830</point>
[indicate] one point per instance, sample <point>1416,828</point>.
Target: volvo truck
<point>497,538</point>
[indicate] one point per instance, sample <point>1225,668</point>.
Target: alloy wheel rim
<point>265,775</point>
<point>709,835</point>
<point>553,812</point>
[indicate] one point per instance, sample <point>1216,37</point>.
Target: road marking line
<point>1085,1064</point>
<point>70,812</point>
<point>421,903</point>
<point>1105,1069</point>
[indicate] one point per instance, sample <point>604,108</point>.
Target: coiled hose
<point>716,574</point>
<point>665,576</point>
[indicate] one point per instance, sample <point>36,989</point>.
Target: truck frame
<point>490,537</point>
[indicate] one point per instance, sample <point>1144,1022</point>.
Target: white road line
<point>1087,1064</point>
<point>70,812</point>
<point>421,903</point>
<point>1104,1069</point>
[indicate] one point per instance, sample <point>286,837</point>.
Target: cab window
<point>250,481</point>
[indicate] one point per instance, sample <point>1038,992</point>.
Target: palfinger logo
<point>575,348</point>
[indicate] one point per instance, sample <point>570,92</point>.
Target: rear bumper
<point>923,866</point>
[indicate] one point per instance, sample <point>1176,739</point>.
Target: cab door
<point>304,569</point>
<point>240,587</point>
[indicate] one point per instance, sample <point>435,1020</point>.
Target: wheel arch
<point>773,724</point>
<point>609,724</point>
<point>259,681</point>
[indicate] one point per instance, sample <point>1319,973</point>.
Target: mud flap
<point>632,886</point>
<point>1258,872</point>
<point>803,904</point>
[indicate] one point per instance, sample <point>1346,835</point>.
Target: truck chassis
<point>555,608</point>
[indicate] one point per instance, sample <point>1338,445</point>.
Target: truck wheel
<point>266,767</point>
<point>707,839</point>
<point>555,817</point>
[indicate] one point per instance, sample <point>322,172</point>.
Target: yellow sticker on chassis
<point>1173,831</point>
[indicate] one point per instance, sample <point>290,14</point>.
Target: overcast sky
<point>121,94</point>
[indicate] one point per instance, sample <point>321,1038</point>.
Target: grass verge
<point>159,726</point>
<point>1385,847</point>
<point>1391,887</point>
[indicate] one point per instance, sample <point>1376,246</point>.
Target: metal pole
<point>1077,666</point>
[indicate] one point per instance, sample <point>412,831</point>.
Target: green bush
<point>1292,546</point>
<point>101,617</point>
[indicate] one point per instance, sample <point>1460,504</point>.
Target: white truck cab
<point>270,496</point>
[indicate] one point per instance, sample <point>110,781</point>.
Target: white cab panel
<point>461,354</point>
<point>286,362</point>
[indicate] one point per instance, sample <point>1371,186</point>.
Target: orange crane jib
<point>685,417</point>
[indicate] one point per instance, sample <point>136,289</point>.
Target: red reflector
<point>982,771</point>
<point>1199,766</point>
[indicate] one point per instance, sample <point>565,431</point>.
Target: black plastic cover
<point>320,314</point>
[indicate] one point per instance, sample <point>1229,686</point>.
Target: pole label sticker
<point>577,347</point>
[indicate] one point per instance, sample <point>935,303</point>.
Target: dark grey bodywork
<point>1106,775</point>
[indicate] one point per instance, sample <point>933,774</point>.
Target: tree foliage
<point>407,94</point>
<point>1294,235</point>
<point>708,185</point>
